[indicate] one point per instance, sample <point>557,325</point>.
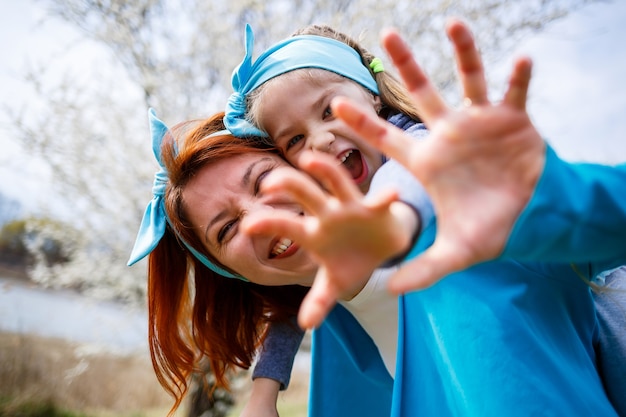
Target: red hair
<point>193,313</point>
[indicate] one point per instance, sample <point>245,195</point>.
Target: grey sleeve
<point>392,175</point>
<point>395,176</point>
<point>276,356</point>
<point>611,352</point>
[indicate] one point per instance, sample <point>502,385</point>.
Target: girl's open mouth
<point>352,160</point>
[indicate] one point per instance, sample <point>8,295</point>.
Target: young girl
<point>472,345</point>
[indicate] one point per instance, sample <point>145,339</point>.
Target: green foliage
<point>17,237</point>
<point>12,246</point>
<point>34,409</point>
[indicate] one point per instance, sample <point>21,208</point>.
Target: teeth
<point>281,246</point>
<point>345,156</point>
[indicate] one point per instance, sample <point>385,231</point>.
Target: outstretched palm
<point>480,164</point>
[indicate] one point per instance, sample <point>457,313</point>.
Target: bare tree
<point>177,56</point>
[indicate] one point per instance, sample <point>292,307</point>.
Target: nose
<point>321,140</point>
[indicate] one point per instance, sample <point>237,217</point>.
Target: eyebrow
<point>245,183</point>
<point>313,106</point>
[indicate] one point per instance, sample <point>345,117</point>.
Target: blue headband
<point>304,51</point>
<point>154,219</point>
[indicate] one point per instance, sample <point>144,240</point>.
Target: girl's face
<point>220,196</point>
<point>295,111</point>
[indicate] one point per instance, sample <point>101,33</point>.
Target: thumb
<point>320,299</point>
<point>431,266</point>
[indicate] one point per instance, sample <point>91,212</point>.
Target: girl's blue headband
<point>154,219</point>
<point>304,51</point>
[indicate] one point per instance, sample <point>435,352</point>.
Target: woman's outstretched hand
<point>480,164</point>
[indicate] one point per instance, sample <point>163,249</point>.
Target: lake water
<point>99,325</point>
<point>67,315</point>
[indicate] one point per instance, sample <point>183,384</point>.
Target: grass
<point>50,375</point>
<point>34,409</point>
<point>291,403</point>
<point>45,377</point>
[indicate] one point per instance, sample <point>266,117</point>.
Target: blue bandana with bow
<point>303,51</point>
<point>154,219</point>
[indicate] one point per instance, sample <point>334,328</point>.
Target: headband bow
<point>296,52</point>
<point>154,219</point>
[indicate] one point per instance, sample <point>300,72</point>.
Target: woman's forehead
<point>234,169</point>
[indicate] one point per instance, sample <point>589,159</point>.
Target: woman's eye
<point>294,141</point>
<point>221,235</point>
<point>259,180</point>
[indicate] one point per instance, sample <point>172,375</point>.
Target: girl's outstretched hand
<point>348,235</point>
<point>480,163</point>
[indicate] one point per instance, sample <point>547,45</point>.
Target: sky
<point>577,97</point>
<point>578,90</point>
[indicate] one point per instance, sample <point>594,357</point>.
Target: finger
<point>318,302</point>
<point>425,97</point>
<point>300,187</point>
<point>427,269</point>
<point>389,139</point>
<point>519,81</point>
<point>469,62</point>
<point>381,200</point>
<point>335,178</point>
<point>276,223</point>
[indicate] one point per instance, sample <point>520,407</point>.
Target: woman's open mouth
<point>282,248</point>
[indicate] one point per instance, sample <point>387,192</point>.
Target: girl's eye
<point>221,235</point>
<point>328,112</point>
<point>294,141</point>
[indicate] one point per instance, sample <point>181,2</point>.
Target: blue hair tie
<point>296,52</point>
<point>155,218</point>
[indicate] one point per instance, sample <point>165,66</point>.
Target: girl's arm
<point>276,356</point>
<point>263,398</point>
<point>272,371</point>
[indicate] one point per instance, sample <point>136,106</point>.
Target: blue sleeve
<point>577,213</point>
<point>278,352</point>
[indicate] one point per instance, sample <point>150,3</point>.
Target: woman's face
<point>218,198</point>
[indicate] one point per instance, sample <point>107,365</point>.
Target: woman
<point>205,170</point>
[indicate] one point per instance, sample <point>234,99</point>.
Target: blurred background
<point>76,169</point>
